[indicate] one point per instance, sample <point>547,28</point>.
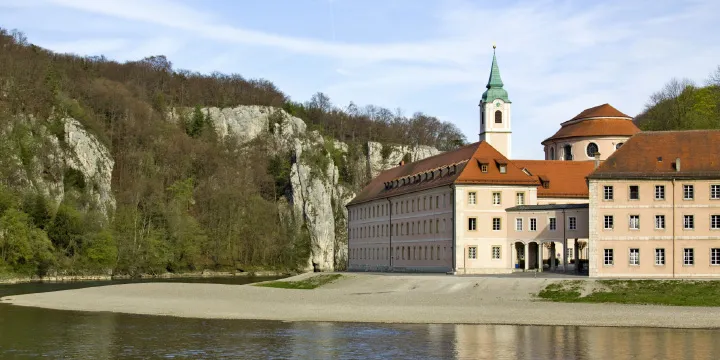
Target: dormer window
<point>484,168</point>
<point>503,168</point>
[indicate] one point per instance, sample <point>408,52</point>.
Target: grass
<point>651,292</point>
<point>307,284</point>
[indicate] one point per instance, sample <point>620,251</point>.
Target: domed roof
<point>601,120</point>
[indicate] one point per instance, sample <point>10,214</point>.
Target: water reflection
<point>28,332</point>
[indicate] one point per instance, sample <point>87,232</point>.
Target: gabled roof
<point>461,166</point>
<point>376,188</point>
<point>601,120</point>
<point>472,173</point>
<point>652,154</point>
<point>566,179</point>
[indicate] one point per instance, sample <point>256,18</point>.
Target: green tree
<point>22,246</point>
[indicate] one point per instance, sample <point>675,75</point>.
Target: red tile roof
<point>603,111</point>
<point>376,188</point>
<point>566,178</point>
<point>472,173</point>
<point>602,120</point>
<point>652,154</point>
<point>467,161</point>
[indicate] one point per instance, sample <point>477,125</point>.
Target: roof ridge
<point>432,157</point>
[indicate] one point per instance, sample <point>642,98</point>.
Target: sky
<point>556,58</point>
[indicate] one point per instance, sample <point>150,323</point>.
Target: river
<point>34,333</point>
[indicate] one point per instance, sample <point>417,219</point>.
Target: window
<point>659,222</point>
<point>533,224</point>
<point>496,224</point>
<point>472,252</point>
<point>552,153</point>
<point>496,252</point>
<point>608,191</point>
<point>572,223</point>
<point>659,256</point>
<point>608,257</point>
<point>520,198</point>
<point>472,198</point>
<point>715,222</point>
<point>689,222</point>
<point>618,145</point>
<point>569,253</point>
<point>472,224</point>
<point>482,117</point>
<point>688,192</point>
<point>634,257</point>
<point>503,169</point>
<point>715,192</point>
<point>519,224</point>
<point>592,149</point>
<point>634,192</point>
<point>498,117</point>
<point>496,198</point>
<point>553,224</point>
<point>714,256</point>
<point>688,256</point>
<point>634,222</point>
<point>567,149</point>
<point>659,192</point>
<point>608,222</point>
<point>484,168</point>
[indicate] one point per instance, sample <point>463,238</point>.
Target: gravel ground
<point>372,298</point>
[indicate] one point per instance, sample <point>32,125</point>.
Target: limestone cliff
<point>318,194</point>
<point>57,156</point>
<point>382,157</point>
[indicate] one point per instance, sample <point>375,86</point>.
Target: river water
<point>36,333</point>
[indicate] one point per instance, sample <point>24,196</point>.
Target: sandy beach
<point>387,298</point>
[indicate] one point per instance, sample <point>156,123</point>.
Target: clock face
<point>497,104</point>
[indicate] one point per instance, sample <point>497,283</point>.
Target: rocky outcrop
<point>383,157</point>
<point>56,156</point>
<point>86,154</point>
<point>317,197</point>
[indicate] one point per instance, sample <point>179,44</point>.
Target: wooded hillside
<point>683,105</point>
<point>186,200</point>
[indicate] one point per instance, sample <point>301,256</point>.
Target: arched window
<point>567,152</point>
<point>498,117</point>
<point>592,149</point>
<point>552,153</point>
<point>618,145</point>
<point>482,117</point>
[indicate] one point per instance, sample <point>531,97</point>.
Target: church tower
<point>495,112</point>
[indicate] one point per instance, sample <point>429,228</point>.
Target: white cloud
<point>556,57</point>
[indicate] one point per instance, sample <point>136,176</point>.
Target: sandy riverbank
<point>372,298</point>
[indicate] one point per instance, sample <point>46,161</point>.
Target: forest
<point>683,105</point>
<point>185,199</point>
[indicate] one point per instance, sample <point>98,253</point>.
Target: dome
<point>599,121</point>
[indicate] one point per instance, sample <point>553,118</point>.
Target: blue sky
<point>556,57</point>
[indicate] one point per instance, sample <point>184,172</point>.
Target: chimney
<point>597,160</point>
<point>677,165</point>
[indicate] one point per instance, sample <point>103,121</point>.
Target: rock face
<point>383,157</point>
<point>318,196</point>
<point>88,155</point>
<point>56,155</point>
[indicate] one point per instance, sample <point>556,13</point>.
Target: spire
<point>495,81</point>
<point>495,85</point>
